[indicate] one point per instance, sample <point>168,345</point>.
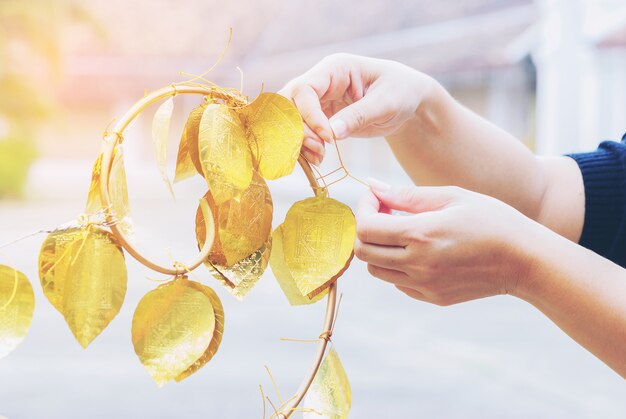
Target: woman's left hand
<point>455,245</point>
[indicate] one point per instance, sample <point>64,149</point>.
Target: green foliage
<point>16,156</point>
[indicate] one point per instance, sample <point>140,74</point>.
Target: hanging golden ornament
<point>17,303</point>
<point>160,135</point>
<point>283,275</point>
<point>176,329</point>
<point>118,190</point>
<point>224,152</point>
<point>83,275</point>
<point>330,395</point>
<point>188,159</point>
<point>210,352</point>
<point>242,242</point>
<point>318,242</point>
<point>275,132</point>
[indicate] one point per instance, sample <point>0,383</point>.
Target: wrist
<point>428,114</point>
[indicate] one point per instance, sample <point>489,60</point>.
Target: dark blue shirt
<point>604,177</point>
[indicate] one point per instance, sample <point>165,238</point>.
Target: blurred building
<point>552,72</point>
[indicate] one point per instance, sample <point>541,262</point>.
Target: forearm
<point>583,293</point>
<point>447,144</point>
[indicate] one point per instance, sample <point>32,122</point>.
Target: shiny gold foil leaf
<point>243,225</point>
<point>218,332</point>
<point>330,395</point>
<point>240,278</point>
<point>275,130</point>
<point>83,275</point>
<point>17,302</point>
<point>118,192</point>
<point>318,242</point>
<point>160,134</point>
<point>283,275</point>
<point>224,153</point>
<point>173,327</point>
<point>188,160</point>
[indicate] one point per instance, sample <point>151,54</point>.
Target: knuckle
<point>359,250</point>
<point>362,230</point>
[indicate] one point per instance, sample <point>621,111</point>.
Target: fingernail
<point>377,185</point>
<point>340,128</point>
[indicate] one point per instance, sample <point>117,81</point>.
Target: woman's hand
<point>346,95</point>
<point>455,245</point>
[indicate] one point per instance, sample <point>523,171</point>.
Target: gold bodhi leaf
<point>17,303</point>
<point>83,275</point>
<point>318,242</point>
<point>224,152</point>
<point>160,134</point>
<point>118,192</point>
<point>188,160</point>
<point>330,395</point>
<point>242,243</point>
<point>276,131</point>
<point>177,328</point>
<point>283,275</point>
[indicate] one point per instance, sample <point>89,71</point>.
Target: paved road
<point>496,358</point>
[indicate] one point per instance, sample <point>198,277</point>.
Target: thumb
<point>413,199</point>
<point>355,117</point>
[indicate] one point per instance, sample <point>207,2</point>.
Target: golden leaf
<point>243,225</point>
<point>118,191</point>
<point>276,131</point>
<point>330,395</point>
<point>283,276</point>
<point>218,309</point>
<point>240,278</point>
<point>188,160</point>
<point>83,275</point>
<point>17,302</point>
<point>242,243</point>
<point>318,242</point>
<point>224,153</point>
<point>173,329</point>
<point>160,134</point>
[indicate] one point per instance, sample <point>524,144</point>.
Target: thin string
<point>219,59</point>
<point>280,398</point>
<point>263,398</point>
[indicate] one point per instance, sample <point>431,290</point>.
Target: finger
<point>356,117</point>
<point>311,157</point>
<point>370,204</point>
<point>413,293</point>
<point>314,144</point>
<point>388,275</point>
<point>384,229</point>
<point>308,103</point>
<point>384,256</point>
<point>412,198</point>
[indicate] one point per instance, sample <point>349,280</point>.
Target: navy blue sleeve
<point>604,178</point>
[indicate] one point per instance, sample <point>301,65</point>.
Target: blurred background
<point>552,72</point>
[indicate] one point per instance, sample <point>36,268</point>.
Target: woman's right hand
<point>352,96</point>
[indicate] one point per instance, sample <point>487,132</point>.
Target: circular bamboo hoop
<point>112,139</point>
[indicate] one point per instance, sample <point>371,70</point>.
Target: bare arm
<point>447,144</point>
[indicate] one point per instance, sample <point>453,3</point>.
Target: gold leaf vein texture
<point>174,329</point>
<point>224,153</point>
<point>283,275</point>
<point>83,275</point>
<point>330,395</point>
<point>318,242</point>
<point>188,159</point>
<point>17,303</point>
<point>275,131</point>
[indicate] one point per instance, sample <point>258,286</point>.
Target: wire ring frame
<point>112,139</point>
